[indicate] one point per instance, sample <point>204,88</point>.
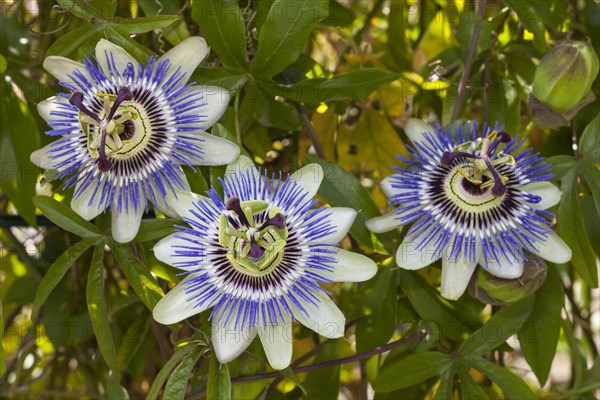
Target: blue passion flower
<point>472,199</point>
<point>126,129</point>
<point>256,257</point>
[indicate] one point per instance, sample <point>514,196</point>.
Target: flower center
<point>253,247</point>
<point>120,130</point>
<point>481,172</point>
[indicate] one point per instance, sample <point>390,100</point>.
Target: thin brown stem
<point>308,125</point>
<point>325,364</point>
<point>468,64</point>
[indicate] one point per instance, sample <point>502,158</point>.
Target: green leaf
<point>410,370</point>
<point>289,373</point>
<point>219,383</point>
<point>3,64</point>
<point>138,51</point>
<point>138,276</point>
<point>127,26</point>
<point>231,80</point>
<point>284,32</point>
<point>164,372</point>
<point>503,98</point>
<point>468,387</point>
<point>132,340</point>
<point>19,137</point>
<point>342,189</point>
<point>539,334</point>
<point>498,328</point>
<point>64,217</point>
<point>589,144</point>
<point>221,131</point>
<point>592,179</point>
<point>57,270</point>
<point>96,302</point>
<point>578,353</point>
<point>178,381</point>
<point>431,306</point>
<point>90,10</point>
<point>70,42</point>
<point>223,26</point>
<point>572,229</point>
<point>513,386</point>
<point>357,84</point>
<point>156,228</point>
<point>445,389</point>
<point>397,34</point>
<point>531,20</point>
<point>378,297</point>
<point>324,384</point>
<point>2,355</point>
<point>114,390</point>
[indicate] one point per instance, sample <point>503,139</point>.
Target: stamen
<point>234,204</point>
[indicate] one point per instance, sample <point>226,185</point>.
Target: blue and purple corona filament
<point>126,128</point>
<point>472,198</point>
<point>256,257</point>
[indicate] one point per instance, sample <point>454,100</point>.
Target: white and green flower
<point>126,128</point>
<point>471,200</point>
<point>256,257</point>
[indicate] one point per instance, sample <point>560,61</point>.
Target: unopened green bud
<point>497,291</point>
<point>564,77</point>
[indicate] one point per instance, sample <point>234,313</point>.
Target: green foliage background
<point>75,318</point>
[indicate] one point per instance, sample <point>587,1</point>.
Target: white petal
<point>180,248</point>
<point>43,159</point>
<point>341,219</point>
<point>456,274</point>
<point>183,202</point>
<point>126,223</point>
<point>54,103</point>
<point>409,257</point>
<point>387,187</point>
<point>216,151</point>
<point>107,51</point>
<point>178,305</point>
<point>309,177</point>
<point>549,193</point>
<point>554,249</point>
<point>506,267</point>
<point>277,342</point>
<point>325,318</point>
<point>385,223</point>
<point>161,201</point>
<point>216,100</point>
<point>350,267</point>
<point>61,67</point>
<point>415,128</point>
<point>188,55</point>
<point>242,165</point>
<point>229,341</point>
<point>83,206</point>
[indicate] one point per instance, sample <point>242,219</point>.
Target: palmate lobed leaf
<point>66,218</point>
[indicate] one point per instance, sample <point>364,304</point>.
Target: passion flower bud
<point>497,291</point>
<point>564,77</point>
